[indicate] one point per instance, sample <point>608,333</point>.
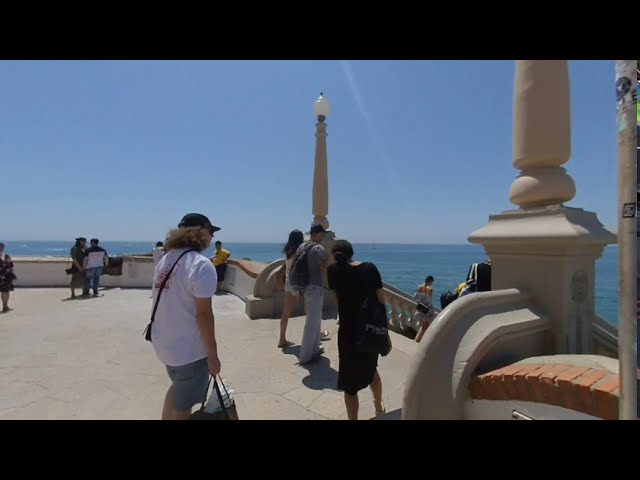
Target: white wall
<point>503,410</point>
<point>137,272</point>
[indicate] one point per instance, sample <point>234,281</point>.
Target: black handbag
<point>225,413</point>
<point>423,308</point>
<point>374,328</point>
<point>147,331</point>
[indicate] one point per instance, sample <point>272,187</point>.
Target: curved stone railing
<point>604,340</point>
<point>475,334</point>
<point>267,298</point>
<point>241,277</point>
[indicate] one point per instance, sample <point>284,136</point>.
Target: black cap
<point>316,228</point>
<point>197,220</point>
<point>81,239</point>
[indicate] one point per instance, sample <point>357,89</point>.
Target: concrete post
<point>320,177</point>
<point>544,247</point>
<point>627,233</point>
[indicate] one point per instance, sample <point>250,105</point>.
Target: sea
<point>403,266</point>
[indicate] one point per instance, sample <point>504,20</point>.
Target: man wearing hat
<point>78,277</point>
<point>313,294</point>
<point>183,326</point>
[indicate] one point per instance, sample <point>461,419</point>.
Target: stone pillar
<point>321,182</point>
<point>320,177</point>
<point>545,247</point>
<point>321,188</point>
<point>541,134</point>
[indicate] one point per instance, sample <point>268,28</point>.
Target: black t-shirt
<point>352,285</point>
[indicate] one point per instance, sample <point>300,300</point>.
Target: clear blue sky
<point>419,151</point>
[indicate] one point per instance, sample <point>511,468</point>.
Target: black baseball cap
<point>316,228</point>
<point>197,220</point>
<point>81,239</point>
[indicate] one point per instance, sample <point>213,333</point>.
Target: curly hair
<point>189,237</point>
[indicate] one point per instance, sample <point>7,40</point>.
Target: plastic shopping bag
<point>213,403</point>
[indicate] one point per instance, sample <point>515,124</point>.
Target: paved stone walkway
<point>87,359</point>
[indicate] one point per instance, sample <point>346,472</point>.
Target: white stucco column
<point>545,247</point>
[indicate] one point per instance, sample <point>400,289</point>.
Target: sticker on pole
<point>629,210</point>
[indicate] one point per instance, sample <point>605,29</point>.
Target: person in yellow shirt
<point>219,260</point>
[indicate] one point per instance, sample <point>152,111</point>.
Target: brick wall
<point>589,390</point>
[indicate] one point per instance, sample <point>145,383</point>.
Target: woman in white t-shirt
<point>296,238</point>
<point>183,328</point>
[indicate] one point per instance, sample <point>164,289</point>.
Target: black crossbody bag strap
<point>147,331</point>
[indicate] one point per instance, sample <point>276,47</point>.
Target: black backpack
<point>447,298</point>
<point>299,272</point>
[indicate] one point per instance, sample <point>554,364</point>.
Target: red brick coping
<point>250,268</point>
<point>589,390</point>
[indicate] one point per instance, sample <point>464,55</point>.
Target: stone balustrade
<point>400,308</point>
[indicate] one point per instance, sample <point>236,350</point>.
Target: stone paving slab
<point>87,359</point>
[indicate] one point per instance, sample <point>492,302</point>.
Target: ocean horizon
<point>402,265</point>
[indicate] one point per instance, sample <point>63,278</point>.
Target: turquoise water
<point>403,266</point>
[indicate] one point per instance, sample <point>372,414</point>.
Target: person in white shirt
<point>183,328</point>
<point>95,260</point>
<point>157,253</point>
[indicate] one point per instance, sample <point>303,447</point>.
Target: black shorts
<point>221,270</point>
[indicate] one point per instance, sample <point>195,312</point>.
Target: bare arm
<point>206,325</point>
<point>423,329</point>
<point>380,295</point>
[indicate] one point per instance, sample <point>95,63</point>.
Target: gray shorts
<point>190,384</point>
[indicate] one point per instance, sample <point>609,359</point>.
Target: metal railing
<point>604,338</point>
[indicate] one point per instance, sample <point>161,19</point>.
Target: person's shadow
<point>321,374</point>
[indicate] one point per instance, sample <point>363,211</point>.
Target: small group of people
<point>7,277</point>
<point>182,330</point>
<point>87,266</point>
<point>351,282</point>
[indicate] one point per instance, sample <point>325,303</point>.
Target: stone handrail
<point>605,338</point>
<point>400,308</point>
<point>479,332</point>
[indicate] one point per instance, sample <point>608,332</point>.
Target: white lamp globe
<point>321,107</point>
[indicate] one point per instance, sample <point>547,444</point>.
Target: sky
<point>418,151</point>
